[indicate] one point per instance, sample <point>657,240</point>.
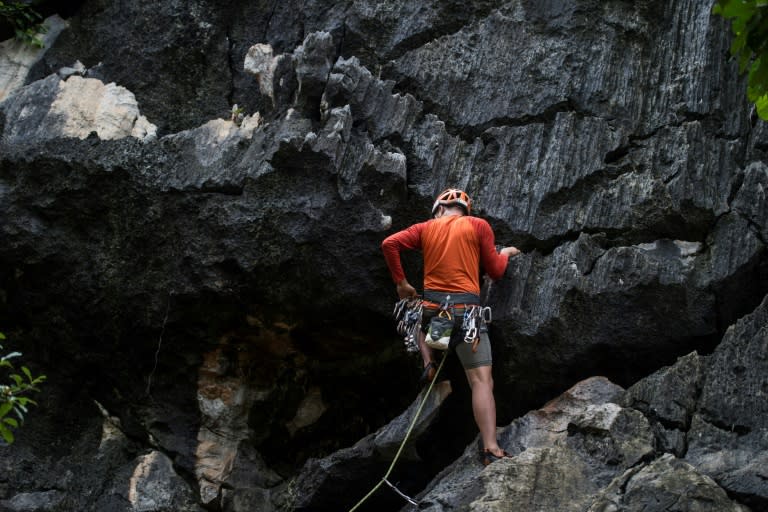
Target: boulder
<point>666,483</point>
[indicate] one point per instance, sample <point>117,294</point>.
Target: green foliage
<point>14,398</point>
<point>27,23</point>
<point>749,22</point>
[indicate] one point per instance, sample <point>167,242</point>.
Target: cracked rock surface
<point>192,199</point>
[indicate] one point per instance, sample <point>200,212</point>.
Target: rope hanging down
<point>402,445</point>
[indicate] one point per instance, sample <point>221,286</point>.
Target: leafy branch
<point>14,396</point>
<point>749,23</point>
<point>27,23</point>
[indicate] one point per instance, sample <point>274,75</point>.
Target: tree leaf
<point>738,9</point>
<point>6,433</point>
<point>738,44</point>
<point>758,78</point>
<point>744,60</point>
<point>12,354</point>
<point>12,422</point>
<point>762,107</point>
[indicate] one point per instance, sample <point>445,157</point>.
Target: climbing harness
<point>407,313</point>
<point>384,479</point>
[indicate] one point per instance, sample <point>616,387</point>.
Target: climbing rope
<point>402,445</point>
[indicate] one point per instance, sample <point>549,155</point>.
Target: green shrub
<point>14,395</point>
<point>26,22</point>
<point>749,23</point>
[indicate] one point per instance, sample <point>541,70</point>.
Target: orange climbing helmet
<point>453,197</point>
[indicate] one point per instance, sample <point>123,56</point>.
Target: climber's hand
<point>405,290</point>
<point>510,251</point>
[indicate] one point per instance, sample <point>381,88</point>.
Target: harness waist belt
<point>436,305</point>
<point>454,298</point>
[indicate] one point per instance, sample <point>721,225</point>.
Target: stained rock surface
<point>192,198</point>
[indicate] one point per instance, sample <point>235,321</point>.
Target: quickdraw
<point>476,319</point>
<point>407,313</point>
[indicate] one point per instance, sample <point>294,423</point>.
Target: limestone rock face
<point>585,451</point>
<point>562,454</point>
<point>671,418</point>
<point>727,438</point>
<point>192,200</point>
<point>55,108</point>
<point>46,500</point>
<point>154,485</point>
<point>666,482</point>
<point>700,413</point>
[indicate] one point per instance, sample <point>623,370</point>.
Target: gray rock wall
<point>193,194</point>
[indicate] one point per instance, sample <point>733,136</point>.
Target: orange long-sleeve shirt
<point>454,247</point>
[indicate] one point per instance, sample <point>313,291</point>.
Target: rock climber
<point>455,245</point>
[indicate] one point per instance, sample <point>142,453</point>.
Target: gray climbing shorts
<point>477,359</point>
